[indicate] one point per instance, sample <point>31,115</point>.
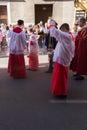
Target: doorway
<point>3,14</point>
<point>42,12</point>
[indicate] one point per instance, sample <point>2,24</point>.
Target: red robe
<point>59,80</point>
<point>63,55</point>
<point>16,62</point>
<point>79,62</point>
<point>33,58</point>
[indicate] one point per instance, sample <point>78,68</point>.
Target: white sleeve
<point>23,38</point>
<point>59,35</point>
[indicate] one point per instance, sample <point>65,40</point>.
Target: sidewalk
<point>4,58</point>
<point>43,59</point>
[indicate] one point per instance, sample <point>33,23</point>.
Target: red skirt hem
<point>59,79</point>
<point>16,66</point>
<point>33,61</point>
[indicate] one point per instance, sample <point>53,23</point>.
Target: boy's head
<point>20,22</point>
<point>65,27</point>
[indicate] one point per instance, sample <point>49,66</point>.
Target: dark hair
<point>31,29</point>
<point>20,22</point>
<point>83,20</point>
<point>65,26</point>
<point>7,28</point>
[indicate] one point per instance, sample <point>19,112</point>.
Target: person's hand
<point>51,23</point>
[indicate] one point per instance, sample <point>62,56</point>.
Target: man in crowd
<point>51,44</point>
<point>79,62</point>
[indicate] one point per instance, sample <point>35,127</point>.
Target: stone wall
<point>62,11</point>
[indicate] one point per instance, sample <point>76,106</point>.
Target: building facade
<point>33,11</point>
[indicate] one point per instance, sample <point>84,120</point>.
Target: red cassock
<point>33,57</point>
<point>79,62</point>
<point>33,61</point>
<point>16,62</point>
<point>16,66</point>
<point>59,79</point>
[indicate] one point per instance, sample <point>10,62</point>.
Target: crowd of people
<point>66,50</point>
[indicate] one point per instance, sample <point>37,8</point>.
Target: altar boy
<point>63,55</point>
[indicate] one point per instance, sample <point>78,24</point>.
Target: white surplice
<point>65,47</point>
<point>17,42</point>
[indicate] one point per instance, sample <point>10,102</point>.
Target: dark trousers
<point>50,68</point>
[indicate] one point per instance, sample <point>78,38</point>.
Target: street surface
<point>27,104</point>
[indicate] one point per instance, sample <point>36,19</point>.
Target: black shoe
<point>60,96</point>
<point>28,69</point>
<point>79,77</point>
<point>75,75</point>
<point>48,71</point>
